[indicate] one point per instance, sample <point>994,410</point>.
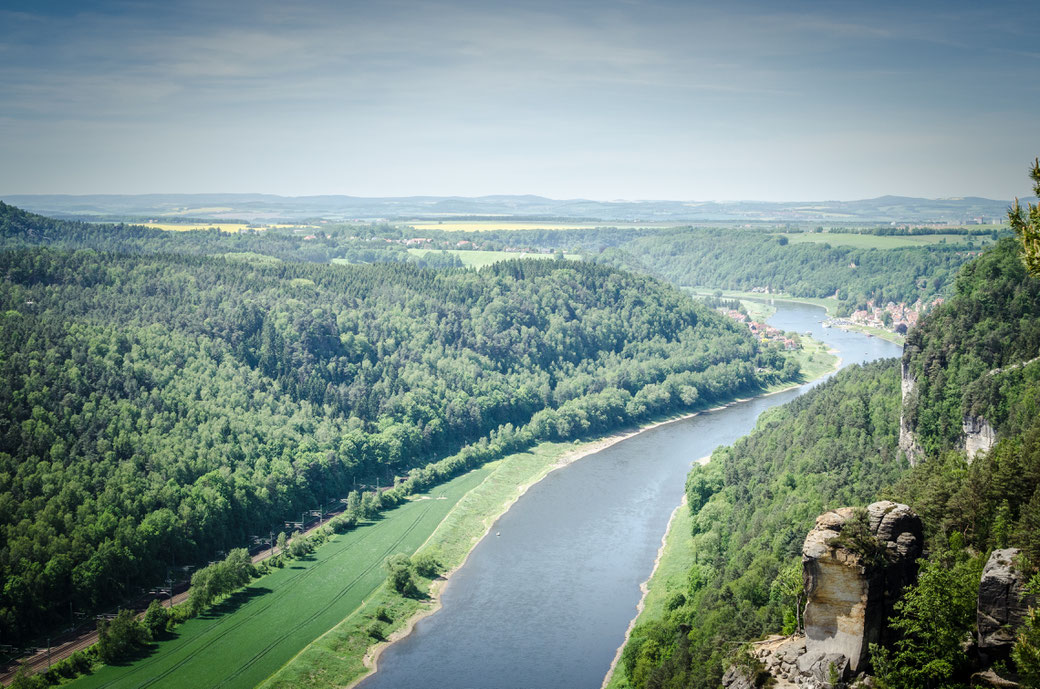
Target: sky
<point>607,99</point>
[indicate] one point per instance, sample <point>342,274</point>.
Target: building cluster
<point>764,332</point>
<point>890,316</point>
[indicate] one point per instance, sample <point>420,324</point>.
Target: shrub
<point>428,564</point>
<point>156,618</point>
<point>119,636</point>
<point>399,574</point>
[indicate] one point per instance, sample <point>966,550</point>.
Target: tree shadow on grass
<point>235,601</point>
<point>134,655</point>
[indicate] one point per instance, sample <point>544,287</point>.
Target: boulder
<point>991,680</point>
<point>851,585</point>
<point>1002,606</point>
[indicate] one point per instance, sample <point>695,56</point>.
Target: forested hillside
<point>743,259</point>
<point>836,446</point>
<point>753,503</point>
<point>965,358</point>
<point>159,407</point>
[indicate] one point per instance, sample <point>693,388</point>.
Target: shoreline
<point>645,586</point>
<point>371,658</point>
<point>439,585</point>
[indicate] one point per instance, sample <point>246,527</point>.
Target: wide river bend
<point>544,601</point>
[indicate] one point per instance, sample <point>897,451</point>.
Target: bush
<point>24,679</point>
<point>156,618</point>
<point>119,636</point>
<point>299,546</point>
<point>376,631</point>
<point>428,564</point>
<point>383,614</point>
<point>399,573</point>
<point>677,600</point>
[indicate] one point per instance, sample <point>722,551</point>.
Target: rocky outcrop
<point>782,663</point>
<point>852,585</point>
<point>1002,606</point>
<point>854,567</point>
<point>979,436</point>
<point>908,442</point>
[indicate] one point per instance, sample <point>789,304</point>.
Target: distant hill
<point>271,207</point>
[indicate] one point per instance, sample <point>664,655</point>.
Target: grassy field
<point>479,259</point>
<point>870,241</point>
<point>185,227</point>
<point>255,632</point>
<point>816,359</point>
<point>758,310</point>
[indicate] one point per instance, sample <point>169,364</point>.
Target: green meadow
<point>249,636</point>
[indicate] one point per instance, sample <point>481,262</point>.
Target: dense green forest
<point>837,445</point>
<point>965,356</point>
<point>743,259</point>
<point>161,406</point>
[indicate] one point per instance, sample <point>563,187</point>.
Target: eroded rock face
<point>851,590</point>
<point>1002,608</point>
<point>907,440</point>
<point>851,586</point>
<point>979,436</point>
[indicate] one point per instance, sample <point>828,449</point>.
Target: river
<point>544,601</point>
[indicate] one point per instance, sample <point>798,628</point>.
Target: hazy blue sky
<point>605,99</point>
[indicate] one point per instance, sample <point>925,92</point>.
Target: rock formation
<point>1002,606</point>
<point>908,443</point>
<point>854,567</point>
<point>979,436</point>
<point>851,586</point>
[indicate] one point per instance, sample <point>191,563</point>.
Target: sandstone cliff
<point>979,436</point>
<point>855,563</point>
<point>908,442</point>
<point>1002,606</point>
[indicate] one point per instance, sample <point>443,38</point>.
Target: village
<point>897,318</point>
<point>766,333</point>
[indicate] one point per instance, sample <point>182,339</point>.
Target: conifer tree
<point>1026,224</point>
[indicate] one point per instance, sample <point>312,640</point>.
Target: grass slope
<point>256,631</point>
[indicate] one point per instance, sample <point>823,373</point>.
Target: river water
<point>544,601</point>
